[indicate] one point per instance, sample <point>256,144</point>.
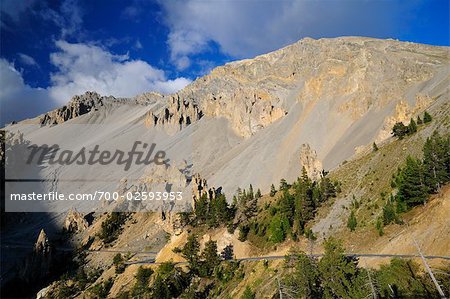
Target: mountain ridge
<point>336,96</point>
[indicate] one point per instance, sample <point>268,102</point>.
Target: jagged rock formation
<point>78,105</point>
<point>179,114</point>
<point>308,159</point>
<point>39,264</point>
<point>247,110</point>
<point>75,222</point>
<point>42,246</point>
<point>200,188</point>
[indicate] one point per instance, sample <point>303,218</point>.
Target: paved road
<point>255,258</point>
<point>278,257</point>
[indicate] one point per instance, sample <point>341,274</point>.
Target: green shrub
<point>351,222</point>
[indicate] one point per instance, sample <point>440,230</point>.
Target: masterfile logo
<point>54,155</point>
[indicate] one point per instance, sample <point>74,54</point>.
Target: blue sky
<point>52,50</point>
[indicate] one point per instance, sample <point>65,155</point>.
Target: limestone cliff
<point>78,105</point>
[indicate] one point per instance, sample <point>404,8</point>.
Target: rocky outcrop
<point>42,246</point>
<point>75,222</point>
<point>403,113</point>
<point>308,159</point>
<point>78,105</point>
<point>44,293</point>
<point>200,188</point>
<point>178,114</point>
<point>39,264</point>
<point>248,111</point>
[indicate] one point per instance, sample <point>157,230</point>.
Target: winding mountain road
<point>278,257</point>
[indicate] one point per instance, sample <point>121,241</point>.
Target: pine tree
<point>308,206</point>
<point>412,127</point>
<point>304,202</point>
<point>243,232</point>
<point>374,147</point>
<point>170,281</point>
<point>304,177</point>
<point>411,187</point>
<point>201,208</point>
<point>389,214</point>
<point>399,130</point>
<point>227,252</point>
<point>419,120</point>
<point>250,192</point>
<point>283,185</point>
<point>211,214</point>
<point>287,206</point>
<point>119,263</point>
<point>337,271</point>
<point>379,227</point>
<point>258,194</point>
<point>278,228</point>
<point>435,158</point>
<point>351,222</point>
<point>299,221</point>
<point>191,250</point>
<point>210,257</point>
<point>304,277</point>
<point>141,287</point>
<point>273,191</point>
<point>221,209</point>
<point>327,189</point>
<point>426,117</point>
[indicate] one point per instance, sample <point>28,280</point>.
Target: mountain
<point>255,121</point>
<point>319,104</point>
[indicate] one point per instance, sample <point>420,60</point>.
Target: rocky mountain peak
<point>77,106</point>
<point>42,245</point>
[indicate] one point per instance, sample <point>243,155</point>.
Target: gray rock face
<point>178,113</point>
<point>308,159</point>
<point>75,222</point>
<point>78,105</point>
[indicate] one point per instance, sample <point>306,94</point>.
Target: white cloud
<point>27,59</point>
<point>183,43</point>
<point>17,99</point>
<point>248,28</point>
<point>80,67</point>
<point>84,67</point>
